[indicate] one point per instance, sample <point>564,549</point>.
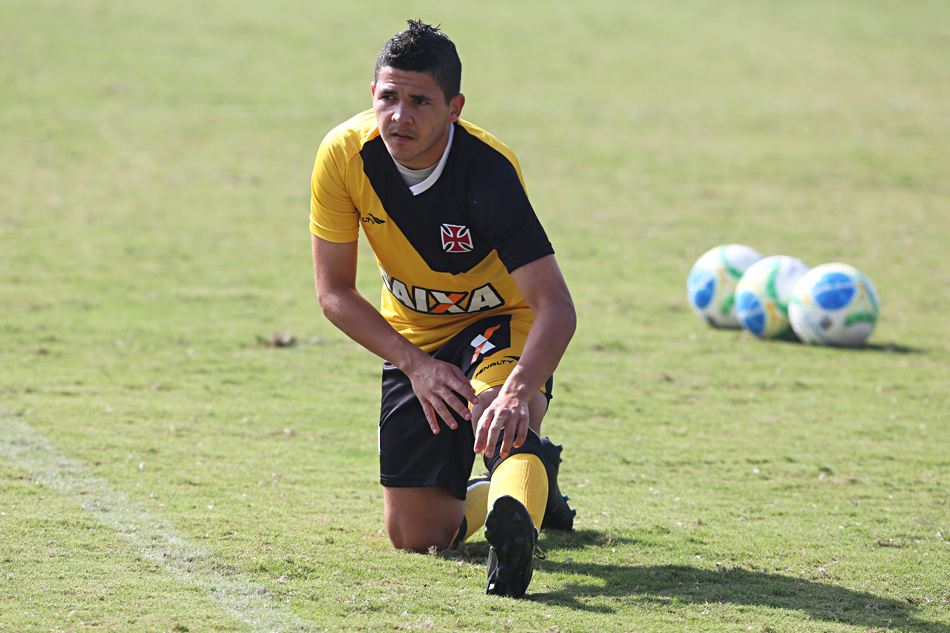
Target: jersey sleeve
<point>333,216</point>
<point>507,218</point>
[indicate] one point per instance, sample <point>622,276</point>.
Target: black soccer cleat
<point>557,514</point>
<point>511,534</point>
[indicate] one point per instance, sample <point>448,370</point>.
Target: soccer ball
<point>712,283</point>
<point>834,304</point>
<point>763,293</point>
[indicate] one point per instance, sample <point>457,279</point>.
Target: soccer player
<point>475,314</point>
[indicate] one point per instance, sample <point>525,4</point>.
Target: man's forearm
<point>357,318</point>
<point>334,266</point>
<point>547,341</point>
<point>555,320</point>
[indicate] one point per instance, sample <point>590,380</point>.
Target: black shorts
<point>410,454</point>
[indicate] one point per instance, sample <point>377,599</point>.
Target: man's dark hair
<point>425,49</point>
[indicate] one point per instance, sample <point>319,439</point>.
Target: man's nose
<point>401,113</point>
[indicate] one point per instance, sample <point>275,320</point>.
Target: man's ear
<point>456,104</point>
<point>372,88</point>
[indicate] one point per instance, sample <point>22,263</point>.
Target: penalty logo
<point>481,344</point>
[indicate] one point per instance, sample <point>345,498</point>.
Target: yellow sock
<point>476,505</point>
<point>476,508</point>
<point>523,477</point>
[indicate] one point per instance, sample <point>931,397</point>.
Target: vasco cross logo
<point>456,239</point>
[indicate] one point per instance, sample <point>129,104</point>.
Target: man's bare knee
<point>418,519</point>
<point>420,538</point>
<point>419,542</point>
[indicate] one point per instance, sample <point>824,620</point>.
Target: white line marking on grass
<point>155,538</point>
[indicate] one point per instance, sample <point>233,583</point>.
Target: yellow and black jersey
<point>445,255</point>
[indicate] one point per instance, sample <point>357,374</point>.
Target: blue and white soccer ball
<point>712,281</point>
<point>834,304</point>
<point>763,294</point>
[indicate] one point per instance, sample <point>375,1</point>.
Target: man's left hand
<point>506,417</point>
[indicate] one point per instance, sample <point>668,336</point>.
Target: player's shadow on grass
<point>668,585</point>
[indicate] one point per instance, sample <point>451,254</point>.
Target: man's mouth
<point>401,136</point>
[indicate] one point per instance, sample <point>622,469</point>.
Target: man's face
<point>412,116</point>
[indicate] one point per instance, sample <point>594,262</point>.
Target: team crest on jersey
<point>456,238</point>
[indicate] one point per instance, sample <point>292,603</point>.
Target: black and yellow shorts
<point>410,454</point>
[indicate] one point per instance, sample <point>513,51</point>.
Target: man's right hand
<point>438,386</point>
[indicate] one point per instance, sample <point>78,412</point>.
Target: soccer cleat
<point>557,514</point>
<point>509,531</point>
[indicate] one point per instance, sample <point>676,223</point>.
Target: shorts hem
<point>500,381</point>
<point>393,482</point>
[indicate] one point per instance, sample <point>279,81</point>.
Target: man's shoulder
<point>491,146</point>
<point>486,138</point>
<point>353,133</point>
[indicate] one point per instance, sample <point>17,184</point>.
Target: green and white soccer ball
<point>763,294</point>
<point>834,304</point>
<point>710,288</point>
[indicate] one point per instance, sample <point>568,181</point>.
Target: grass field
<point>165,467</point>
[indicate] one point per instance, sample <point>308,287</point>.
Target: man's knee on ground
<point>419,519</point>
<point>419,538</point>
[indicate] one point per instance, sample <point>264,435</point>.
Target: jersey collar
<point>434,176</point>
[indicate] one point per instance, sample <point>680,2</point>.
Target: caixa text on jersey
<point>429,301</point>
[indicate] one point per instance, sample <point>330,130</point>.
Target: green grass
<point>154,167</point>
